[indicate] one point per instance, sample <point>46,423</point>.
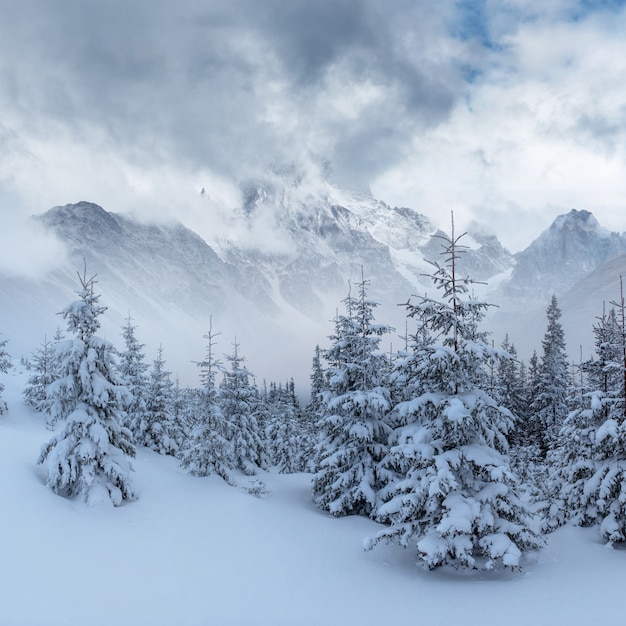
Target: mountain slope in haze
<point>584,303</point>
<point>294,249</point>
<point>168,264</point>
<point>275,297</point>
<point>328,237</point>
<point>275,278</point>
<point>579,262</point>
<point>573,246</point>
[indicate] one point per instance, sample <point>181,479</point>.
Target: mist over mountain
<point>294,250</point>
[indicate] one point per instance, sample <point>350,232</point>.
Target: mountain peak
<point>87,218</point>
<point>581,221</point>
<point>82,207</point>
<point>574,245</point>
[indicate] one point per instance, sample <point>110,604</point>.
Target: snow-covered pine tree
<point>405,376</point>
<point>132,370</point>
<point>353,428</point>
<point>406,383</point>
<point>458,502</point>
<point>509,387</point>
<point>283,433</point>
<point>5,365</point>
<point>89,457</point>
<point>549,405</point>
<point>157,429</point>
<point>238,401</point>
<point>527,460</point>
<point>44,370</point>
<point>589,478</point>
<point>178,411</point>
<point>207,451</point>
<point>318,379</point>
<point>311,414</point>
<point>526,432</point>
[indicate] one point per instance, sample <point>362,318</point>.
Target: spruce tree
<point>549,405</point>
<point>527,433</point>
<point>589,479</point>
<point>132,370</point>
<point>238,402</point>
<point>318,379</point>
<point>509,388</point>
<point>5,365</point>
<point>44,370</point>
<point>207,450</point>
<point>353,428</point>
<point>285,438</point>
<point>89,457</point>
<point>458,502</point>
<point>157,429</point>
<point>312,411</point>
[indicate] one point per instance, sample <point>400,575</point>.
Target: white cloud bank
<point>508,114</point>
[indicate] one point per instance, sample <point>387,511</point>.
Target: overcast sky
<point>506,111</point>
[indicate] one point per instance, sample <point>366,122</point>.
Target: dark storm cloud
<point>311,35</point>
<point>192,81</point>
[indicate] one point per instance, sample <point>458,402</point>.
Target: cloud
<point>541,131</point>
<point>489,108</point>
<point>26,250</point>
<point>198,82</point>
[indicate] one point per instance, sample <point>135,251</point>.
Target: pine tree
<point>89,457</point>
<point>318,379</point>
<point>180,416</point>
<point>353,428</point>
<point>5,365</point>
<point>406,381</point>
<point>238,404</point>
<point>590,464</point>
<point>509,387</point>
<point>132,370</point>
<point>312,411</point>
<point>458,502</point>
<point>207,450</point>
<point>549,405</point>
<point>284,437</point>
<point>44,368</point>
<point>157,429</point>
<point>527,433</point>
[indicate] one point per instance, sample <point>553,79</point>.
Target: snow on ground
<point>194,551</point>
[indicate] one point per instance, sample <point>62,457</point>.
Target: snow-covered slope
<point>194,551</point>
<point>273,278</point>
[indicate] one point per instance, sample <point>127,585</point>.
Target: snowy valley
<point>312,313</point>
<point>466,473</point>
<point>194,551</point>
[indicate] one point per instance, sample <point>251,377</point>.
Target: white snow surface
<point>195,551</point>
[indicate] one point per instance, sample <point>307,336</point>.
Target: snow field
<point>194,551</point>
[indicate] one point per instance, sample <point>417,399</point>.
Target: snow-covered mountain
<point>276,275</point>
<point>575,259</point>
<point>573,246</point>
<point>274,279</point>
